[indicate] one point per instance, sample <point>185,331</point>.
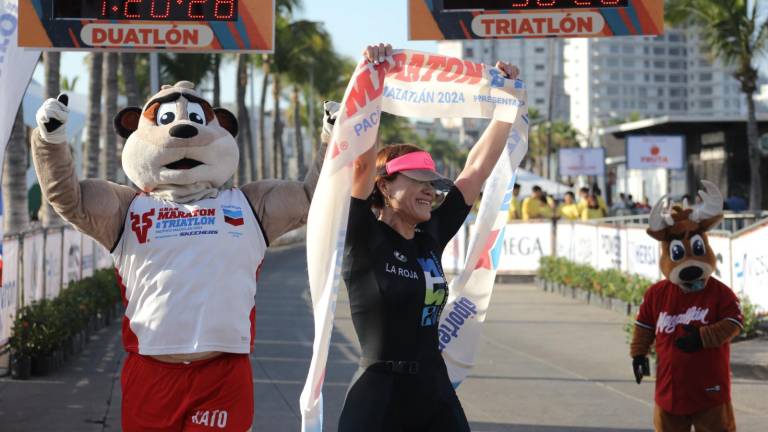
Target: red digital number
<point>217,12</point>
<point>520,3</point>
<point>125,9</point>
<point>545,2</point>
<point>104,8</point>
<point>167,9</point>
<point>609,2</point>
<point>583,2</point>
<point>192,4</point>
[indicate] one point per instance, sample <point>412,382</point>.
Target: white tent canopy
<point>528,180</point>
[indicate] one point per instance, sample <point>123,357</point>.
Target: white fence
<point>742,257</point>
<point>38,264</point>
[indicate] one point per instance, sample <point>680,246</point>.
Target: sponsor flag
<point>410,84</point>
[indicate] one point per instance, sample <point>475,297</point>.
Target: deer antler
<point>711,203</point>
<point>658,220</point>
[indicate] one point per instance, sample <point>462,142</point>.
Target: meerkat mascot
<point>692,316</point>
<point>187,252</point>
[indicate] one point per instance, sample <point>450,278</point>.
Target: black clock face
<point>149,10</point>
<point>531,4</point>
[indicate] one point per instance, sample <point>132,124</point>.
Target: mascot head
<point>178,147</point>
<point>687,260</point>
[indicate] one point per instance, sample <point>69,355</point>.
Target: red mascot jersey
<point>687,383</point>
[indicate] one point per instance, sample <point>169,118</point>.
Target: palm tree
<point>109,161</point>
<point>308,49</point>
<point>284,10</point>
<point>91,151</point>
<point>16,213</point>
<point>130,83</point>
<point>244,121</point>
<point>52,61</point>
<point>737,35</point>
<point>216,80</point>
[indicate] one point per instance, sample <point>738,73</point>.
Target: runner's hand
<point>509,70</point>
<point>376,53</point>
<point>691,342</point>
<point>51,117</point>
<point>640,367</point>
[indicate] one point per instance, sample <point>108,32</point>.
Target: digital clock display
<point>149,10</point>
<point>531,4</point>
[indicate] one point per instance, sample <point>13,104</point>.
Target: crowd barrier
<point>742,257</point>
<point>39,263</point>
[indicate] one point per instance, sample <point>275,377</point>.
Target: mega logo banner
<point>410,84</point>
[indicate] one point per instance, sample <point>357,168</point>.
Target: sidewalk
<point>545,363</point>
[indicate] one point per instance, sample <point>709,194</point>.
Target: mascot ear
<point>127,121</point>
<point>227,120</point>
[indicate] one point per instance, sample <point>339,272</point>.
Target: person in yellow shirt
<point>593,210</point>
<point>535,206</point>
<point>569,210</point>
<point>516,205</point>
<point>600,201</point>
<point>583,198</point>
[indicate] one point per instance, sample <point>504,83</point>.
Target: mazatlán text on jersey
<point>667,323</point>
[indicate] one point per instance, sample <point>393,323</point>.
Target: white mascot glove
<point>331,112</point>
<point>51,119</point>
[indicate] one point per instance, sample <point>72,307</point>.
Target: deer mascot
<point>187,251</point>
<point>692,316</point>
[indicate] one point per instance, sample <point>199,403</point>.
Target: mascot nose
<point>183,131</point>
<point>691,273</point>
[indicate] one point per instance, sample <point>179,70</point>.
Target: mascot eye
<point>697,245</point>
<point>196,113</point>
<point>166,114</point>
<point>676,250</point>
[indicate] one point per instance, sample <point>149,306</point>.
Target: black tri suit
<point>397,291</point>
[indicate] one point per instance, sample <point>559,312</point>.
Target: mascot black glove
<point>692,341</point>
<point>640,367</point>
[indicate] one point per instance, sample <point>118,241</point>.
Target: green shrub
<point>44,326</point>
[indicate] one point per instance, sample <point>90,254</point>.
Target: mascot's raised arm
<point>692,317</point>
<point>187,251</point>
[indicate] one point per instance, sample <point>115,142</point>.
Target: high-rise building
<point>615,79</point>
<point>540,62</point>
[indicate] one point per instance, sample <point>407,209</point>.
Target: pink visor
<point>416,165</point>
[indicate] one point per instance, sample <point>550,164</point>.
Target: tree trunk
<point>278,158</point>
<point>262,117</point>
<point>755,156</point>
<point>52,61</point>
<point>91,150</point>
<point>109,86</point>
<point>242,119</point>
<point>314,135</point>
<point>128,70</point>
<point>297,126</point>
<point>16,213</point>
<point>216,80</point>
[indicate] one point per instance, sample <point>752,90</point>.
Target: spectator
<point>593,210</point>
<point>736,203</point>
<point>535,207</point>
<point>631,202</point>
<point>644,206</point>
<point>583,198</point>
<point>621,203</point>
<point>600,201</point>
<point>568,210</point>
<point>515,206</point>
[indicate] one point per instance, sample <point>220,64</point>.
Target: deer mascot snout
<point>691,318</point>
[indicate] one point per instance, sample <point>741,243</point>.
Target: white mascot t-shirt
<point>188,273</point>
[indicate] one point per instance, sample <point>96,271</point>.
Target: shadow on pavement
<point>496,427</point>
